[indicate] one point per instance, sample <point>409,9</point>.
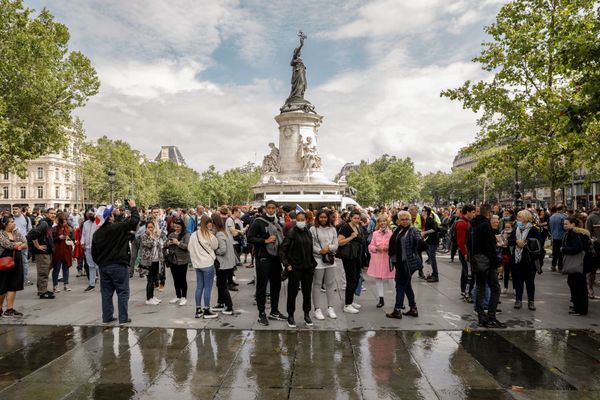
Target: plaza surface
<point>61,350</point>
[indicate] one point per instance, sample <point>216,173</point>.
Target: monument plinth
<point>293,172</point>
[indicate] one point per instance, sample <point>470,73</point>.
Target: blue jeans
<point>92,267</point>
<point>486,296</point>
<point>56,270</point>
<point>204,284</point>
<point>431,250</point>
<point>404,287</point>
<point>114,277</point>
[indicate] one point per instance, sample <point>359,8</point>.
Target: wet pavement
<point>45,362</point>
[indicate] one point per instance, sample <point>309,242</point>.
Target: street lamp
<point>111,181</point>
<point>518,203</point>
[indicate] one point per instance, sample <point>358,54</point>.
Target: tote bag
<point>573,263</point>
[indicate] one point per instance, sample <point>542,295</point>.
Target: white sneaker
<point>157,300</point>
<point>504,290</point>
<point>183,301</point>
<point>151,302</point>
<point>356,305</point>
<point>319,314</point>
<point>175,300</point>
<point>331,313</point>
<point>350,309</point>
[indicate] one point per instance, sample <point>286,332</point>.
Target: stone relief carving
<point>307,151</point>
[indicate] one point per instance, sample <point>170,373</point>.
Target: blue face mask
<point>301,224</point>
<point>520,225</point>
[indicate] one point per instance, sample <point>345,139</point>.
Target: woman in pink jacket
<point>379,266</point>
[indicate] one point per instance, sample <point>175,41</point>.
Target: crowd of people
<point>310,249</point>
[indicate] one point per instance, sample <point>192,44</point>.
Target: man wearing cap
<point>110,251</point>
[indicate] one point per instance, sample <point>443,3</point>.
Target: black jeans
<point>490,278</point>
<point>152,276</point>
<point>298,278</point>
<point>351,269</point>
<point>179,273</point>
<point>453,250</point>
<point>524,276</point>
<point>508,272</point>
<point>579,294</point>
<point>268,270</point>
<point>224,297</point>
<point>556,255</point>
<point>466,280</point>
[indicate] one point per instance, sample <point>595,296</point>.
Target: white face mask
<point>271,215</point>
<point>301,224</point>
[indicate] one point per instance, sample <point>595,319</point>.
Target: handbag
<point>480,263</point>
<point>327,258</point>
<point>69,242</point>
<point>7,263</point>
<point>573,263</point>
<point>170,256</point>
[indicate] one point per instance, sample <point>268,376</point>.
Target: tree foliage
<point>523,123</point>
<point>41,83</point>
<point>386,180</point>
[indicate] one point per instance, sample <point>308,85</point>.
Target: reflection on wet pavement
<point>144,363</point>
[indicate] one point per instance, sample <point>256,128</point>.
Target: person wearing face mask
<point>297,257</point>
<point>89,228</point>
<point>523,261</point>
<point>266,235</point>
<point>379,266</point>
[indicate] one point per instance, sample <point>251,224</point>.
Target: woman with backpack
<point>574,245</point>
<point>526,259</point>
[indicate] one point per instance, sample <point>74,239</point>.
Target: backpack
<point>452,231</point>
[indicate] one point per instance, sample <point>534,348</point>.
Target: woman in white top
<point>202,248</point>
<point>325,244</point>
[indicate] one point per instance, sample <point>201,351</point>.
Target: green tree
<point>523,123</point>
<point>363,180</point>
<point>41,83</point>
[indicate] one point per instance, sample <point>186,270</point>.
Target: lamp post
<point>517,195</point>
<point>111,181</point>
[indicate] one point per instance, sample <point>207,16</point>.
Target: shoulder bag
<point>573,263</point>
<point>8,262</point>
<point>327,258</point>
<point>216,262</point>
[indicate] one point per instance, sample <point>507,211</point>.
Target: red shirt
<point>462,225</point>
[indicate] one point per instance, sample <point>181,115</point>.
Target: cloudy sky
<point>209,76</point>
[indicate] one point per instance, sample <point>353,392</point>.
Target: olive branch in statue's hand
<point>302,36</point>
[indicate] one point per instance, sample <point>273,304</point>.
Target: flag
<point>299,209</point>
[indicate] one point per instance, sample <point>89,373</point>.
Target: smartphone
<point>126,202</point>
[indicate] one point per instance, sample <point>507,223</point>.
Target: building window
<point>57,192</point>
<point>67,175</point>
<point>40,190</point>
<point>56,174</point>
<point>40,173</point>
<point>23,192</point>
<point>6,176</point>
<point>5,192</point>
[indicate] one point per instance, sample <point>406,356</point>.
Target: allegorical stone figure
<point>308,154</point>
<point>298,72</point>
<point>271,161</point>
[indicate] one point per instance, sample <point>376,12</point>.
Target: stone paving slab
<point>131,363</point>
<point>440,307</point>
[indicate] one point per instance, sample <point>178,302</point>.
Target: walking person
<point>325,244</point>
<point>297,257</point>
<point>177,245</point>
<point>351,247</point>
<point>23,225</point>
<point>89,228</point>
<point>430,234</point>
<point>62,257</point>
<point>43,247</point>
<point>481,244</point>
<point>151,249</point>
<point>266,236</point>
<point>226,261</point>
<point>525,263</point>
<point>557,232</point>
<point>202,246</point>
<point>574,245</point>
<point>110,251</point>
<point>11,280</point>
<point>379,265</point>
<point>404,259</point>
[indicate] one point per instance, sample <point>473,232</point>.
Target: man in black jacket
<point>110,251</point>
<point>481,244</point>
<point>266,235</point>
<point>43,247</point>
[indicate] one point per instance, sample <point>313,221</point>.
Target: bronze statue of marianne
<point>296,100</point>
<point>298,72</point>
